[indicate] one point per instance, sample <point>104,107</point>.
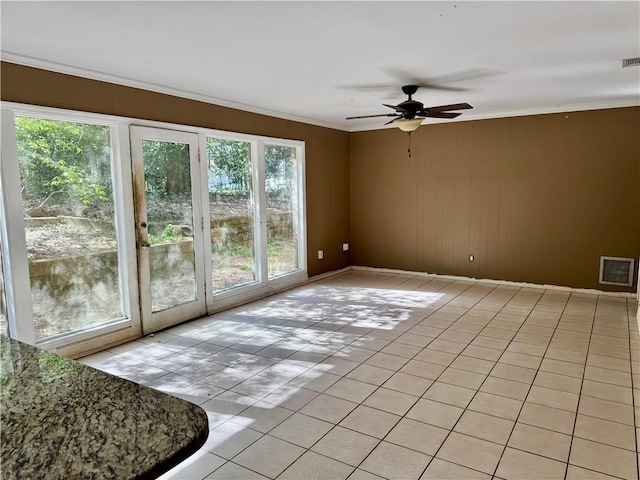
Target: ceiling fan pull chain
<point>409,149</point>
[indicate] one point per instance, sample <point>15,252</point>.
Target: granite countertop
<point>64,420</point>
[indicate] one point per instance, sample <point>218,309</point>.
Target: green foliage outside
<point>242,251</point>
<point>168,235</point>
<point>240,256</point>
<point>65,168</point>
<point>276,244</point>
<point>166,170</point>
<point>229,165</point>
<point>66,163</point>
<point>279,174</point>
<point>63,163</point>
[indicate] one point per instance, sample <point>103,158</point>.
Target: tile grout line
<point>263,434</point>
<point>434,381</point>
<point>515,332</point>
<point>457,356</point>
<point>598,299</point>
<point>633,397</point>
<point>379,386</point>
<point>334,425</point>
<point>380,440</point>
<point>586,359</point>
<point>515,422</point>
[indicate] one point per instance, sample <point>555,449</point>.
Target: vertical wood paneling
<point>448,217</point>
<point>420,179</point>
<point>493,179</point>
<point>462,195</point>
<point>528,163</point>
<point>503,152</point>
<point>475,201</point>
<point>409,170</point>
<point>428,160</point>
<point>536,199</point>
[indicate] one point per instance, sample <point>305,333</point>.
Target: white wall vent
<point>631,62</point>
<point>616,271</point>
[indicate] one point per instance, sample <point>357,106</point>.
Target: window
<point>3,303</point>
<point>256,205</point>
<point>232,213</point>
<point>282,204</point>
<point>70,233</point>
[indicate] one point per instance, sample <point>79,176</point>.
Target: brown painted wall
<point>536,199</point>
<point>327,150</point>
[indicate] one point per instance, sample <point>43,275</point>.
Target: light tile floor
<point>368,375</point>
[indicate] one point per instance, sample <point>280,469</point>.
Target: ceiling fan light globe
<point>408,125</point>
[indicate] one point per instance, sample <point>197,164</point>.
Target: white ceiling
<point>301,60</point>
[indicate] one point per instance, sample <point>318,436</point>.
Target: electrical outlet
<point>345,247</point>
<point>471,258</point>
<point>320,254</point>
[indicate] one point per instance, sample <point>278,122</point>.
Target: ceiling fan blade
<point>397,108</point>
<point>372,116</point>
<point>442,108</point>
<point>440,114</point>
<point>391,121</point>
<point>434,86</point>
<point>435,83</point>
<point>440,82</point>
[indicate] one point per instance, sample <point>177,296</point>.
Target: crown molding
<point>33,62</point>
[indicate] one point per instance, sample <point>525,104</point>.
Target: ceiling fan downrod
<point>410,90</point>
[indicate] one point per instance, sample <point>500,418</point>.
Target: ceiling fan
<point>409,114</point>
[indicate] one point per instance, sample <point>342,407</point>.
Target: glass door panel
<point>4,330</point>
<point>282,209</point>
<point>231,207</point>
<point>168,224</point>
<point>67,196</point>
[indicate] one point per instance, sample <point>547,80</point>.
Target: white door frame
<point>154,321</point>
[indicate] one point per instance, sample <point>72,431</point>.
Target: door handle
<point>145,244</point>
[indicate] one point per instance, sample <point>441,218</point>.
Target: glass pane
<point>170,223</point>
<point>65,174</point>
<point>282,204</point>
<point>232,213</point>
<point>4,329</point>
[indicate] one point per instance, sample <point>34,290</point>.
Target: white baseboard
<point>324,275</point>
<point>498,282</point>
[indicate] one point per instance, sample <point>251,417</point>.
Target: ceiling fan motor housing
<point>409,108</point>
